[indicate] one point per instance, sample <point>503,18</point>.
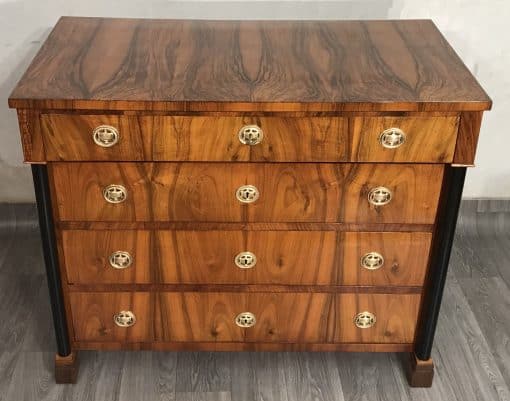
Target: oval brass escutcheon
<point>250,135</point>
<point>105,136</point>
<point>120,260</point>
<point>392,138</point>
<point>245,319</point>
<point>115,193</point>
<point>379,196</point>
<point>372,261</point>
<point>124,318</point>
<point>247,194</point>
<point>245,260</point>
<point>364,320</point>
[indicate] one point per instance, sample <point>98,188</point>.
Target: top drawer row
<point>225,138</point>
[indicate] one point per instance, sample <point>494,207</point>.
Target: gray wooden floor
<point>472,351</point>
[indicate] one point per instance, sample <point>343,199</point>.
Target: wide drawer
<point>270,317</point>
<point>224,138</point>
<point>246,257</point>
<point>244,192</point>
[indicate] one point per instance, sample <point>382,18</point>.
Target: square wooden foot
<point>419,373</point>
<point>66,368</point>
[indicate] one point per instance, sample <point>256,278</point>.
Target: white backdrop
<point>477,29</point>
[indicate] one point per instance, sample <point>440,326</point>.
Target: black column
<point>440,256</point>
<point>42,195</point>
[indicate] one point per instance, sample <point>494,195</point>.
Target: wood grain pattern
<point>285,288</point>
<point>86,256</point>
<point>241,226</point>
<point>292,139</point>
<point>69,137</point>
<point>31,137</point>
<point>405,258</point>
<point>419,373</point>
<point>182,138</point>
<point>212,346</point>
<point>471,353</point>
<point>209,317</point>
<point>428,140</point>
<point>288,192</point>
<point>66,368</point>
<point>136,64</point>
<point>199,317</point>
<point>178,91</point>
<point>396,318</point>
<point>92,316</point>
<point>469,129</point>
<point>283,257</point>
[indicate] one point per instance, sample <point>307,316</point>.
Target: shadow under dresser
<point>230,186</point>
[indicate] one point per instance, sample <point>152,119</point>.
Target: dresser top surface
<point>192,65</point>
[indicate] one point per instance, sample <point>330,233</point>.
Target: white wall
<point>477,29</point>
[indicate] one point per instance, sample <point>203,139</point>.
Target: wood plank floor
<point>472,349</point>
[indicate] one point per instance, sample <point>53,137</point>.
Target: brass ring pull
<point>246,319</point>
<point>105,136</point>
<point>372,261</point>
<point>115,193</point>
<point>124,318</point>
<point>247,194</point>
<point>245,260</point>
<point>120,260</point>
<point>364,320</point>
<point>392,138</point>
<point>380,196</point>
<point>250,135</point>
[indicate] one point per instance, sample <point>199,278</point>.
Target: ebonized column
<point>42,195</point>
<point>440,256</point>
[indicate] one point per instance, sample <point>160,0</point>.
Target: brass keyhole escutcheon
<point>124,318</point>
<point>105,136</point>
<point>372,261</point>
<point>115,193</point>
<point>120,260</point>
<point>245,319</point>
<point>392,138</point>
<point>380,196</point>
<point>250,135</point>
<point>364,320</point>
<point>245,260</point>
<point>247,194</point>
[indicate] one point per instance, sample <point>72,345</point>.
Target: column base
<point>66,368</point>
<point>419,373</point>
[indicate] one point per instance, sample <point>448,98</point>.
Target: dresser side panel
<point>467,138</point>
<point>31,137</point>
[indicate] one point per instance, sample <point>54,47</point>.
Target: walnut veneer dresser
<point>229,186</point>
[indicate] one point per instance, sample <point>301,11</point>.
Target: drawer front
<point>301,139</point>
<point>266,317</point>
<point>246,257</point>
<point>218,192</point>
<point>425,139</point>
<point>179,138</point>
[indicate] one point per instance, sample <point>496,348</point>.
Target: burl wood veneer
<point>227,185</point>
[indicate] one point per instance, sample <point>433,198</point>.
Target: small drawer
<point>225,138</point>
<point>247,192</point>
<point>244,317</point>
<point>404,139</point>
<point>246,257</point>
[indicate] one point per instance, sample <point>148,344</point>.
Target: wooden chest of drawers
<point>213,185</point>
